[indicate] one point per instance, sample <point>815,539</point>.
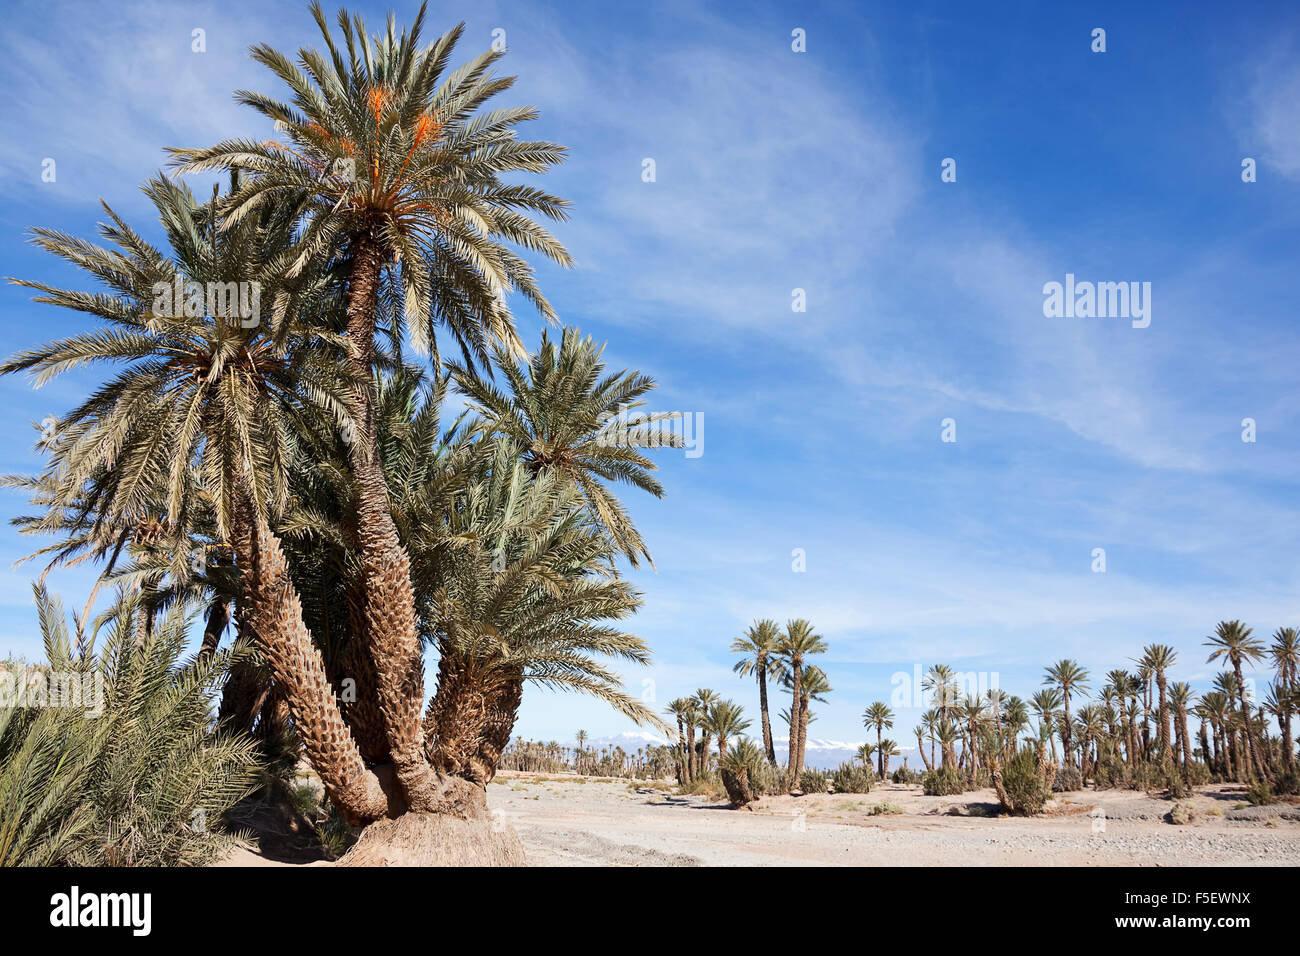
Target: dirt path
<point>566,822</point>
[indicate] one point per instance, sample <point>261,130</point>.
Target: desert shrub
<point>134,778</point>
<point>1260,794</point>
<point>1148,777</point>
<point>1198,774</point>
<point>813,781</point>
<point>1288,782</point>
<point>1067,779</point>
<point>851,778</point>
<point>883,809</point>
<point>1110,773</point>
<point>905,775</point>
<point>944,782</point>
<point>1182,814</point>
<point>1022,787</point>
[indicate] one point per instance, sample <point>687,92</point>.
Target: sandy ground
<point>566,822</point>
<point>575,821</point>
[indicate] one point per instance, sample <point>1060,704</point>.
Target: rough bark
<point>296,664</point>
<point>389,605</point>
<point>215,625</point>
<point>470,719</point>
<point>796,669</point>
<point>737,787</point>
<point>762,706</point>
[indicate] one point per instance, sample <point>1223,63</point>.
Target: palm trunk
<point>296,664</point>
<point>389,609</point>
<point>1162,716</point>
<point>804,716</point>
<point>762,706</point>
<point>796,668</point>
<point>1253,758</point>
<point>215,626</point>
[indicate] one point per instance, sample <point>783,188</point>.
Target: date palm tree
<point>879,716</point>
<point>1157,658</point>
<point>397,169</point>
<point>794,646</point>
<point>1069,678</point>
<point>758,647</point>
<point>726,720</point>
<point>1180,698</point>
<point>704,700</point>
<point>1285,652</point>
<point>680,708</point>
<point>888,748</point>
<point>1046,703</point>
<point>814,687</point>
<point>1235,642</point>
<point>564,411</point>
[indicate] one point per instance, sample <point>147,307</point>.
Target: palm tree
<point>888,748</point>
<point>796,644</point>
<point>866,753</point>
<point>393,165</point>
<point>207,401</point>
<point>726,720</point>
<point>580,741</point>
<point>920,731</point>
<point>1180,696</point>
<point>758,646</point>
<point>681,709</point>
<point>1233,640</point>
<point>1285,653</point>
<point>1045,703</point>
<point>1158,658</point>
<point>704,699</point>
<point>814,686</point>
<point>1070,678</point>
<point>570,419</point>
<point>879,716</point>
<point>941,682</point>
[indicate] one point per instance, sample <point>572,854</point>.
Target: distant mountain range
<point>822,754</point>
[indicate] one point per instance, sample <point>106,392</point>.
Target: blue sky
<point>820,171</point>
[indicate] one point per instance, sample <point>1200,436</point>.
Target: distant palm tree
<point>1286,658</point>
<point>815,687</point>
<point>682,710</point>
<point>726,720</point>
<point>1233,640</point>
<point>1158,658</point>
<point>888,748</point>
<point>1070,678</point>
<point>879,716</point>
<point>1180,697</point>
<point>704,700</point>
<point>759,647</point>
<point>866,753</point>
<point>797,643</point>
<point>580,738</point>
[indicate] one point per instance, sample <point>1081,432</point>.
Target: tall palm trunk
<point>389,609</point>
<point>804,717</point>
<point>1067,754</point>
<point>296,664</point>
<point>1254,760</point>
<point>683,770</point>
<point>920,747</point>
<point>215,625</point>
<point>796,680</point>
<point>1162,716</point>
<point>690,751</point>
<point>762,706</point>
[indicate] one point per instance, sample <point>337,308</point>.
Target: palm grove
<point>1141,730</point>
<point>293,474</point>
